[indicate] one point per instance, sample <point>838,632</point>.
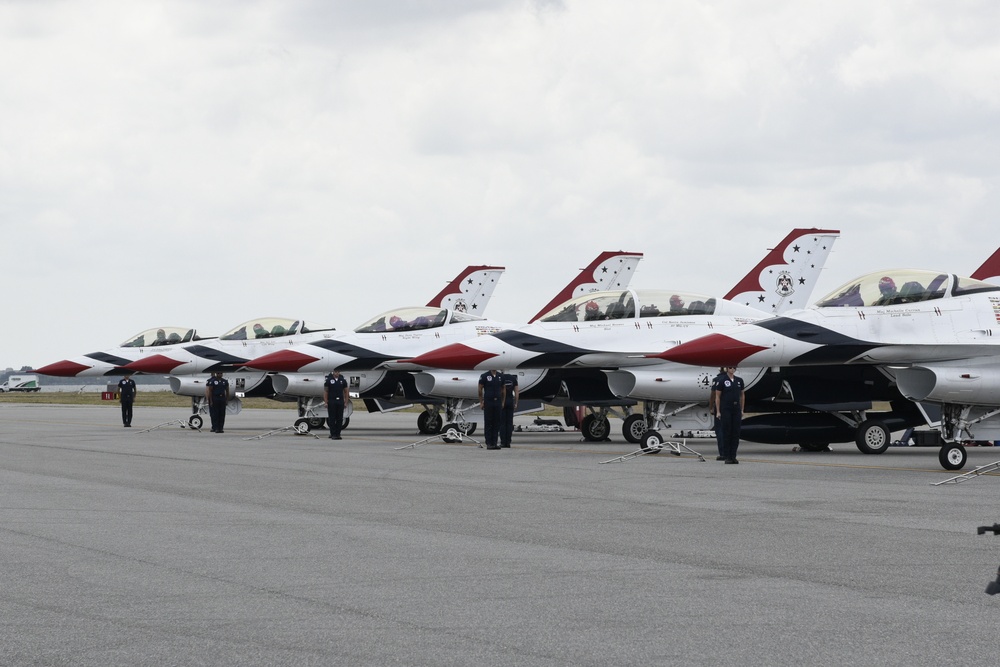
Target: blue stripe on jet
<point>218,356</point>
<point>551,354</point>
<point>835,348</point>
<point>106,358</point>
<point>364,359</point>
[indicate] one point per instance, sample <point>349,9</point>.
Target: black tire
<point>195,421</point>
<point>470,428</point>
<point>633,428</point>
<point>651,442</point>
<point>303,426</point>
<point>347,422</point>
<point>815,446</point>
<point>429,423</point>
<point>952,456</point>
<point>595,429</point>
<point>316,422</point>
<point>872,437</point>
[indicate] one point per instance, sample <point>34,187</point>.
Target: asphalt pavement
<point>176,547</point>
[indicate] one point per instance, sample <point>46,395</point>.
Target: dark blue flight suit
<point>729,399</point>
<point>334,387</point>
<point>507,413</point>
<point>218,396</point>
<point>490,399</point>
<point>126,394</point>
<point>716,384</point>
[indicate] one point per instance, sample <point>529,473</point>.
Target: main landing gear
<point>432,422</point>
<point>311,419</point>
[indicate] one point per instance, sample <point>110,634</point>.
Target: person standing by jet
<point>491,400</point>
<point>217,393</point>
<point>716,384</point>
<point>511,394</point>
<point>126,395</point>
<point>729,401</point>
<point>335,398</point>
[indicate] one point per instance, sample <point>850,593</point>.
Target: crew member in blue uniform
<point>126,395</point>
<point>729,400</point>
<point>716,383</point>
<point>511,394</point>
<point>335,397</point>
<point>217,393</point>
<point>491,399</point>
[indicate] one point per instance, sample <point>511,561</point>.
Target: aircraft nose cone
<point>710,350</point>
<point>64,368</point>
<point>455,357</point>
<point>154,364</point>
<point>284,360</point>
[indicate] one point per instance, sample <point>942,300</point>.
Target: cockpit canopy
<point>161,336</point>
<point>629,304</point>
<point>269,327</point>
<point>413,319</point>
<point>896,286</point>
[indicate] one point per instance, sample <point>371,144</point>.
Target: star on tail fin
<point>786,277</point>
<point>610,270</point>
<point>470,291</point>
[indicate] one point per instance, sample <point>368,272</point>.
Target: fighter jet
<point>610,330</point>
<point>111,361</point>
<point>932,332</point>
<point>470,291</point>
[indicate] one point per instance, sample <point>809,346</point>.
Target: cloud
<point>201,164</point>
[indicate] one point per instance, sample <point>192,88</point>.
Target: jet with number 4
<point>935,334</point>
<point>613,331</point>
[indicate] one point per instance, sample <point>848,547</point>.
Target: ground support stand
<point>981,470</point>
<point>675,448</point>
<point>178,422</point>
<point>298,431</point>
<point>450,436</point>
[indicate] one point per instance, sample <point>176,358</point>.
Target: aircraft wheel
<point>634,427</point>
<point>872,437</point>
<point>595,429</point>
<point>429,422</point>
<point>303,426</point>
<point>195,421</point>
<point>952,456</point>
<point>815,446</point>
<point>652,442</point>
<point>470,428</point>
<point>316,422</point>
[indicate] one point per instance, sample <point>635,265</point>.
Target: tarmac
<point>177,547</point>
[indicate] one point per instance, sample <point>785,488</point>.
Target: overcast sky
<point>200,164</point>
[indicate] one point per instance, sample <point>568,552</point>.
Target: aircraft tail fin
<point>610,270</point>
<point>470,291</point>
<point>785,278</point>
<point>990,270</point>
